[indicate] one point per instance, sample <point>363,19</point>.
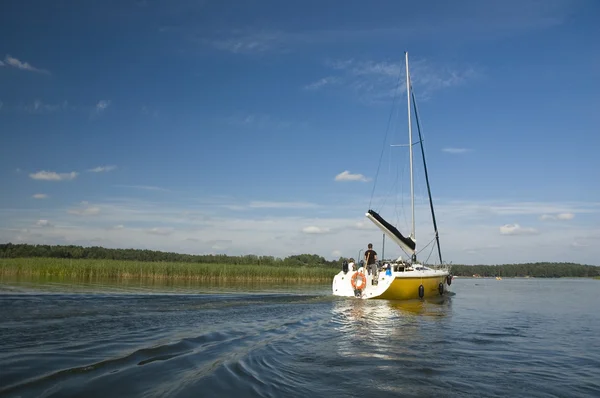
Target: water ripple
<point>259,344</point>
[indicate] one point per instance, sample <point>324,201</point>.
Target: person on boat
<point>371,259</point>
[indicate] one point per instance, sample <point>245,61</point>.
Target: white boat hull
<point>400,285</point>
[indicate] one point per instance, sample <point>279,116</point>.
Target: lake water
<point>508,338</point>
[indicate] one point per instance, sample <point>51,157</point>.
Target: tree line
<point>540,269</point>
<point>10,250</point>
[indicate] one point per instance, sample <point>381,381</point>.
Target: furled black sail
<point>405,242</point>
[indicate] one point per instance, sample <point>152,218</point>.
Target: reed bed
<point>89,268</point>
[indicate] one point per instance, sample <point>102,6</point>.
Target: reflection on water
<point>384,329</point>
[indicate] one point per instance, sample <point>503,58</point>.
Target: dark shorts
<point>373,268</point>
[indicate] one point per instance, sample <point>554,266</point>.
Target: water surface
<point>515,337</point>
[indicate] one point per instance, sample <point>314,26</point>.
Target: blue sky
<point>220,127</point>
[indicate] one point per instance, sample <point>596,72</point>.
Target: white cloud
<point>560,216</point>
<point>15,63</point>
<point>235,207</point>
<point>101,107</point>
<point>315,230</point>
<point>53,176</point>
<point>336,253</point>
<point>516,229</point>
<point>282,205</point>
<point>580,244</point>
<point>364,225</point>
<point>39,196</point>
<point>467,235</point>
<point>144,187</point>
<point>160,231</point>
<point>101,169</point>
<point>43,223</point>
<point>347,176</point>
<point>565,216</point>
<point>455,150</point>
<point>85,210</point>
<point>218,244</point>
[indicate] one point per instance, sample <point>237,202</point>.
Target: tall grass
<point>88,268</point>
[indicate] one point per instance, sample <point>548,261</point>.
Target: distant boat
<point>398,280</point>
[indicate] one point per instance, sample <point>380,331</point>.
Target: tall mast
<point>410,147</point>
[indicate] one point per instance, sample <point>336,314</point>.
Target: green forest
<point>540,269</point>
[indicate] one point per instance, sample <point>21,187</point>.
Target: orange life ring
<point>355,277</point>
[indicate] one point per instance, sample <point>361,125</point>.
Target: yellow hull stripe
<point>408,288</point>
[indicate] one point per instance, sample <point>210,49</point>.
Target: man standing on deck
<point>370,259</point>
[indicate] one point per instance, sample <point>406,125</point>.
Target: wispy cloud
<point>44,223</point>
<point>456,150</point>
<point>315,230</point>
<point>516,229</point>
<point>322,83</point>
<point>39,196</point>
<point>459,23</point>
<point>85,210</point>
<point>245,42</point>
<point>219,244</point>
<point>560,216</point>
<point>347,176</point>
<point>282,205</point>
<point>160,231</point>
<point>286,205</point>
<point>259,121</point>
<point>53,176</point>
<point>381,80</point>
<point>362,225</point>
<point>485,209</point>
<point>16,63</point>
<point>38,107</point>
<point>102,169</point>
<point>145,110</point>
<point>143,187</point>
<point>100,107</point>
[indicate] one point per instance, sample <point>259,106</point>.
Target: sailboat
<point>399,279</point>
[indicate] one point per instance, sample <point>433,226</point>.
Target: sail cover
<point>405,242</point>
